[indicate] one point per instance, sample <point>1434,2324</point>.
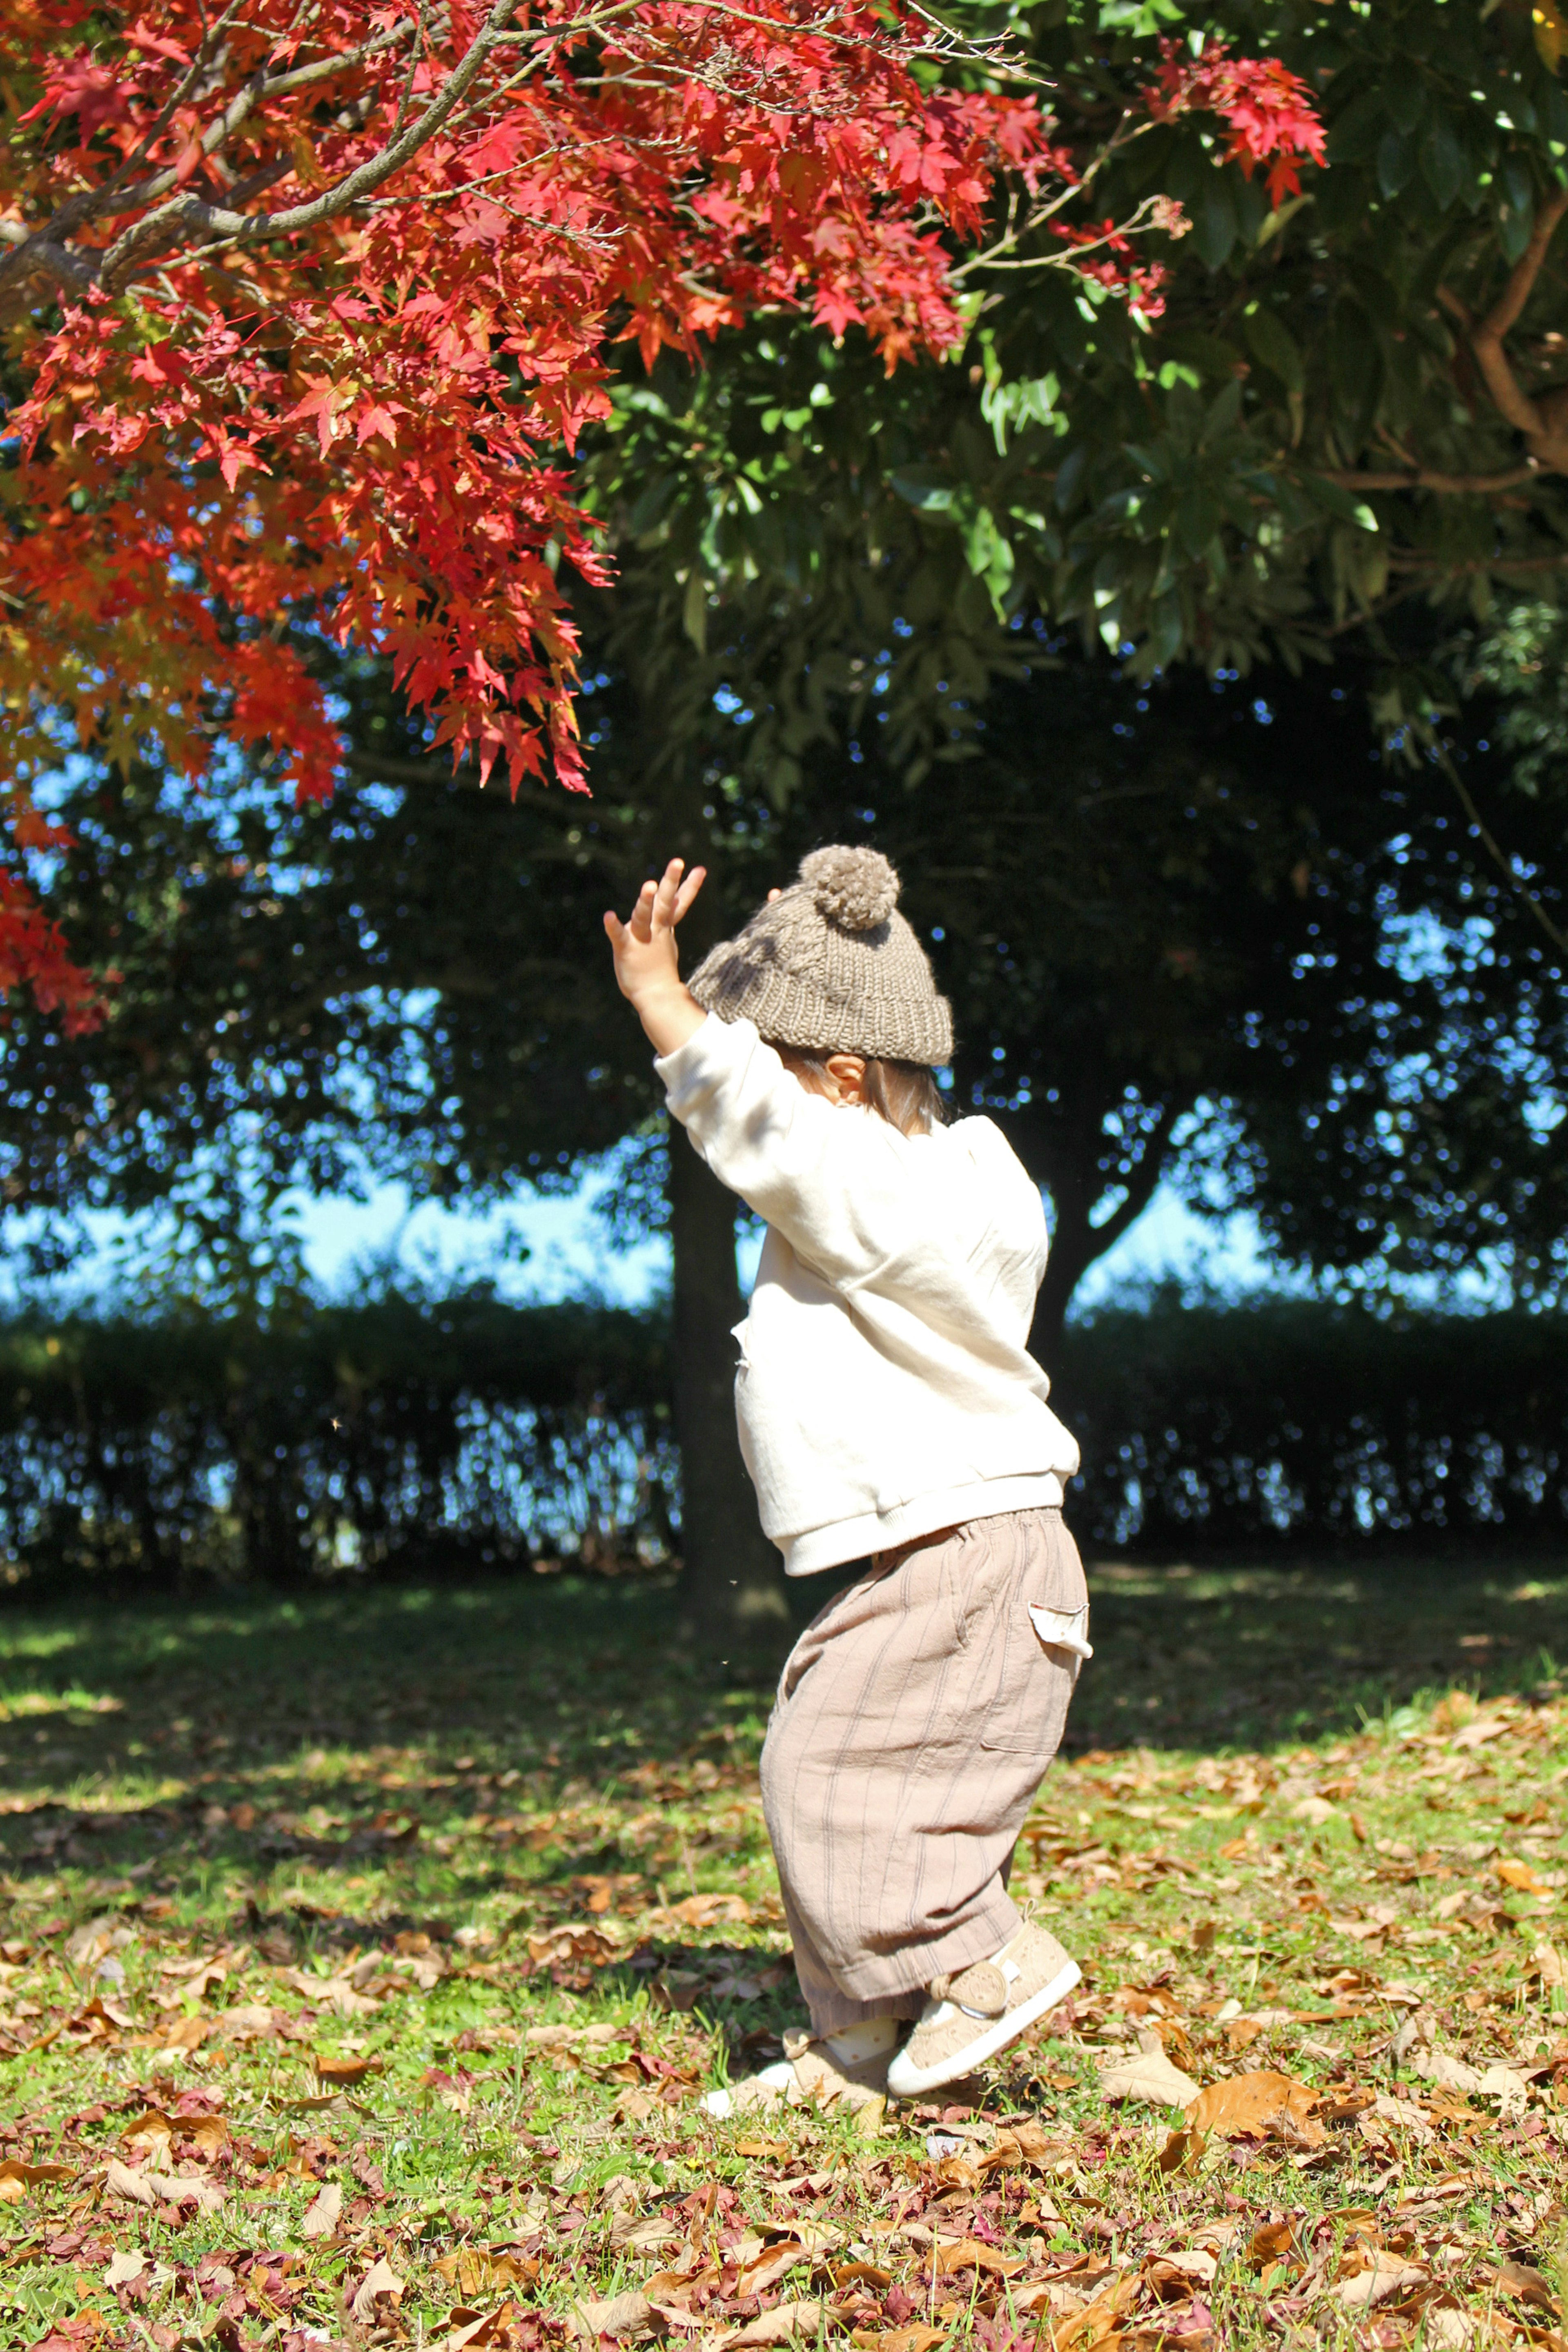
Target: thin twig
<point>1516,882</point>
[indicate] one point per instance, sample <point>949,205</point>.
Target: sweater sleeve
<point>833,1181</point>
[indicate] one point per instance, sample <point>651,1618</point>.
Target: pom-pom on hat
<point>830,965</point>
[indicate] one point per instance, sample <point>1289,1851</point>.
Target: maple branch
<point>215,220</point>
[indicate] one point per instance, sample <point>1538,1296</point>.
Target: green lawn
<point>364,1957</point>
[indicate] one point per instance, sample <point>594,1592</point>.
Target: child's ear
<point>847,1072</point>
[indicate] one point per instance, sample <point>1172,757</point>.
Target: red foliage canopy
<point>308,300</point>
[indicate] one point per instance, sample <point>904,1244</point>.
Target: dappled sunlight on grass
<point>367,1952</point>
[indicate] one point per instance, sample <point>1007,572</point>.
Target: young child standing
<point>888,1407</point>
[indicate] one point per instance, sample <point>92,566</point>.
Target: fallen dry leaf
<point>1098,2318</point>
<point>1386,2276</point>
<point>898,2339</point>
<point>124,2267</point>
<point>973,2254</point>
<point>787,2322</point>
<point>1528,2284</point>
<point>250,2021</point>
<point>324,2212</point>
<point>1255,2104</point>
<point>380,2284</point>
<point>17,2179</point>
<point>616,2314</point>
<point>1150,2078</point>
<point>150,2129</point>
<point>344,2073</point>
<point>1517,1873</point>
<point>134,2186</point>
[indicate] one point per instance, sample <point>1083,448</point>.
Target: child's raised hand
<point>647,968</point>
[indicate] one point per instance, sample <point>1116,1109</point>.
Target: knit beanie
<point>830,965</point>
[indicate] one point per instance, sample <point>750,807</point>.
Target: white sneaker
<point>849,2068</point>
<point>972,2014</point>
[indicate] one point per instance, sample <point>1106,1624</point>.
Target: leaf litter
<point>355,2088</point>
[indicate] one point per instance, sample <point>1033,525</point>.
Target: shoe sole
<point>909,2082</point>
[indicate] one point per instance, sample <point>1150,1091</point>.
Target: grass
<point>364,1956</point>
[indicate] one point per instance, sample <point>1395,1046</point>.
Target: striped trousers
<point>915,1718</point>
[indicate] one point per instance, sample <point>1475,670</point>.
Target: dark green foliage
<point>1293,1420</point>
<point>389,1436</point>
<point>403,1436</point>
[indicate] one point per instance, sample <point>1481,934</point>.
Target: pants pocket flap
<point>1063,1629</point>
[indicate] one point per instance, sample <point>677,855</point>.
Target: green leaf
<point>1354,132</point>
<point>1217,223</point>
<point>1275,347</point>
<point>1199,518</point>
<point>928,488</point>
<point>1337,500</point>
<point>1395,162</point>
<point>694,611</point>
<point>1442,163</point>
<point>1212,353</point>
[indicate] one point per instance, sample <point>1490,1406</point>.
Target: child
<point>888,1407</point>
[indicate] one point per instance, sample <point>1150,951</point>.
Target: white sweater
<point>884,1389</point>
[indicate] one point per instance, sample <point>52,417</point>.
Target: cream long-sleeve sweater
<point>884,1389</point>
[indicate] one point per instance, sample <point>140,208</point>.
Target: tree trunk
<point>731,1592</point>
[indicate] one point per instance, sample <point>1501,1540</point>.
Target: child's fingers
<point>688,891</point>
<point>668,893</point>
<point>615,930</point>
<point>641,925</point>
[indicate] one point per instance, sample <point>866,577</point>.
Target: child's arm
<point>648,970</point>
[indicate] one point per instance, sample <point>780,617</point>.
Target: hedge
<point>403,1436</point>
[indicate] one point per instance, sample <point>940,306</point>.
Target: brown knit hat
<point>829,965</point>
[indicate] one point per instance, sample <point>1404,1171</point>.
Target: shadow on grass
<point>585,1680</point>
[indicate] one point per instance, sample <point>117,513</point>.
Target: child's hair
<point>905,1094</point>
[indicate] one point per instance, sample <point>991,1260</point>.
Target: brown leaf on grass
<point>707,1911</point>
<point>1149,2077</point>
<point>775,2263</point>
<point>1386,2276</point>
<point>206,2134</point>
<point>1527,2285</point>
<point>1517,1873</point>
<point>344,2073</point>
<point>1182,2151</point>
<point>474,2271</point>
<point>17,2180</point>
<point>1097,2320</point>
<point>616,2314</point>
<point>250,2021</point>
<point>1276,2241</point>
<point>186,2033</point>
<point>1022,2143</point>
<point>324,2213</point>
<point>150,2129</point>
<point>1257,2103</point>
<point>787,2322</point>
<point>136,2188</point>
<point>124,2267</point>
<point>898,2339</point>
<point>1179,2273</point>
<point>476,2331</point>
<point>973,2254</point>
<point>380,2284</point>
<point>772,2150</point>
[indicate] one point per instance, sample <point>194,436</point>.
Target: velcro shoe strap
<point>980,1990</point>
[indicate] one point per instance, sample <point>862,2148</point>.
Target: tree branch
<point>1542,425</point>
<point>216,220</point>
<point>1421,477</point>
